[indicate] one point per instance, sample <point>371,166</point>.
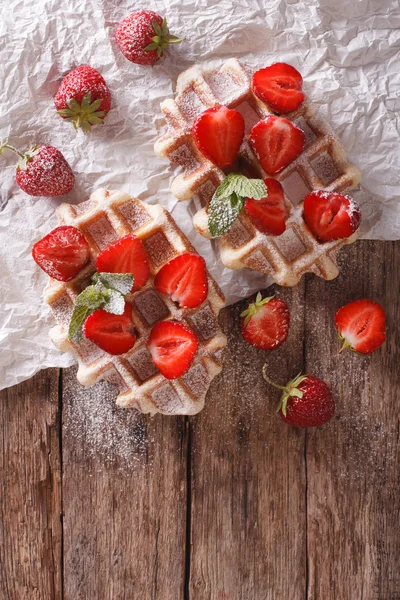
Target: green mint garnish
<point>107,291</point>
<point>122,282</point>
<point>228,201</point>
<point>223,212</point>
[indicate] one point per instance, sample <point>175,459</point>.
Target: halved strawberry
<point>184,278</point>
<point>265,323</point>
<point>126,255</point>
<point>114,334</point>
<point>269,214</point>
<point>218,133</point>
<point>172,347</point>
<point>280,86</point>
<point>62,253</point>
<point>361,325</point>
<point>276,142</point>
<point>331,216</point>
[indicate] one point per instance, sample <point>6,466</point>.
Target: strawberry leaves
<point>83,115</point>
<point>162,39</point>
<point>106,291</point>
<point>228,201</point>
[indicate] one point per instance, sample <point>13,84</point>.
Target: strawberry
<point>42,171</point>
<point>276,143</point>
<point>172,347</point>
<point>331,216</point>
<point>83,98</point>
<point>265,323</point>
<point>184,278</point>
<point>269,214</point>
<point>218,133</point>
<point>361,325</point>
<point>114,334</point>
<point>143,37</point>
<point>280,86</point>
<point>62,253</point>
<point>306,401</point>
<point>126,255</point>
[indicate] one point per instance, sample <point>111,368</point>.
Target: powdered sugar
<point>47,173</point>
<point>109,433</point>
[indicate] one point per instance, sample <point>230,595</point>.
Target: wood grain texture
<point>124,512</point>
<point>231,504</point>
<point>248,521</point>
<point>30,490</point>
<point>353,464</point>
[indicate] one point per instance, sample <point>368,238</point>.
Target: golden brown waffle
<point>321,166</point>
<point>105,217</point>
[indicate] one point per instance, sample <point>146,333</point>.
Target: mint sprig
<point>228,201</point>
<point>106,291</point>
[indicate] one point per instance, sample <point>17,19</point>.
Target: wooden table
<point>231,504</point>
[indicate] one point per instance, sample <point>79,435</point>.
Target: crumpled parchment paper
<point>347,52</point>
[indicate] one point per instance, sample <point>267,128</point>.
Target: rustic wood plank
<point>248,521</point>
<point>124,486</point>
<point>30,490</point>
<point>353,464</point>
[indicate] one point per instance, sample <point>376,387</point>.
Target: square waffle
<point>321,166</point>
<point>104,218</point>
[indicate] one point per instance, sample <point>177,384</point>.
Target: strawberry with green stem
<point>42,171</point>
<point>306,401</point>
<point>265,322</point>
<point>83,98</point>
<point>144,36</point>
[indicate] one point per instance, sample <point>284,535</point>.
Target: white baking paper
<point>347,52</point>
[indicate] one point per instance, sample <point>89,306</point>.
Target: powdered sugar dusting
<point>110,434</point>
<point>47,173</point>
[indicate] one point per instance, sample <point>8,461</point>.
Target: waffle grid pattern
<point>322,165</point>
<point>104,218</point>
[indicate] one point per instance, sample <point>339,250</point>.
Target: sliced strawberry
<point>62,253</point>
<point>361,325</point>
<point>126,255</point>
<point>331,216</point>
<point>280,86</point>
<point>172,347</point>
<point>269,214</point>
<point>184,278</point>
<point>276,142</point>
<point>218,133</point>
<point>114,334</point>
<point>265,323</point>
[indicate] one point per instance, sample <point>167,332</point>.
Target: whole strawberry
<point>42,171</point>
<point>143,37</point>
<point>83,98</point>
<point>306,401</point>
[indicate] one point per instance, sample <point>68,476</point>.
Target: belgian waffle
<point>105,217</point>
<point>322,165</point>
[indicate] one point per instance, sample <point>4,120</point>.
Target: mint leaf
<point>79,316</point>
<point>228,201</point>
<point>107,291</point>
<point>242,186</point>
<point>115,303</point>
<point>122,282</point>
<point>92,296</point>
<point>222,212</point>
<point>87,302</point>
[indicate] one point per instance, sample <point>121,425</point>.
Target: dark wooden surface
<point>97,503</point>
